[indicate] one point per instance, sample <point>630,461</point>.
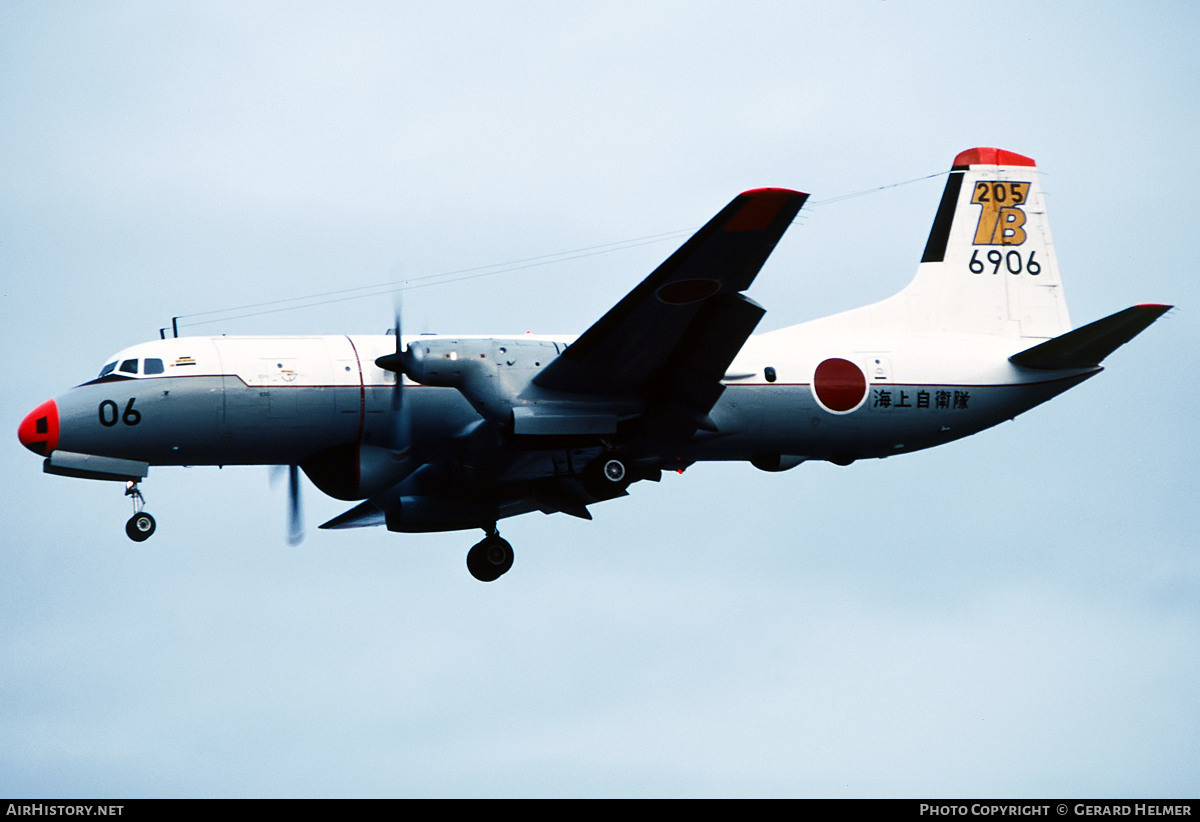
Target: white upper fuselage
<point>237,400</point>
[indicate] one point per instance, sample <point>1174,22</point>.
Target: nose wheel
<point>141,525</point>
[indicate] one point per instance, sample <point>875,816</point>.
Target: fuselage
<point>797,393</point>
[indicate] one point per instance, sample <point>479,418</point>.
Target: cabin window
<point>769,373</point>
<point>108,369</point>
<point>154,366</point>
<point>129,367</point>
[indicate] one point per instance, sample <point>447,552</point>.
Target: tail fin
<point>989,263</point>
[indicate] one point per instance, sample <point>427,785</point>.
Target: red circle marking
<point>839,384</point>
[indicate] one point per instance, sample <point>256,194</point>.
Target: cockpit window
<point>154,365</point>
<point>108,369</point>
<point>129,367</point>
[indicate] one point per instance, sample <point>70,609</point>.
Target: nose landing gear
<point>141,525</point>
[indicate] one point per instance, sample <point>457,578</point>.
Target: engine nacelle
<point>441,362</point>
<point>491,373</point>
<point>776,462</point>
<point>429,513</point>
<point>352,472</point>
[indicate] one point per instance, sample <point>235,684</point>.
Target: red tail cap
<point>985,156</point>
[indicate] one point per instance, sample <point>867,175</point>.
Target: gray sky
<point>1015,614</point>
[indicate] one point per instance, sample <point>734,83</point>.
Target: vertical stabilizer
<point>989,265</point>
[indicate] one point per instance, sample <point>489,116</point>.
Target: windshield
<point>108,369</point>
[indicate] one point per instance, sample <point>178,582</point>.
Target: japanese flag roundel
<point>839,385</point>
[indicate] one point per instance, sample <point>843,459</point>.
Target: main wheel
<point>606,477</point>
<point>613,470</point>
<point>489,559</point>
<point>140,527</point>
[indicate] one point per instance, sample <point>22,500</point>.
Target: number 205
<point>1012,261</point>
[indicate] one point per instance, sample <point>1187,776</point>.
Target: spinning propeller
<point>390,464</point>
<point>399,363</point>
<point>295,519</point>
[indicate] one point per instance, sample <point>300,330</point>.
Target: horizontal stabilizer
<point>1087,346</point>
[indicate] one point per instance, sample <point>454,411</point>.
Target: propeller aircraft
<point>439,433</point>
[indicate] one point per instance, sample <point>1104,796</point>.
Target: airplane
<point>440,433</point>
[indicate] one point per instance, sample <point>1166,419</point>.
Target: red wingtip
<point>985,156</point>
<point>759,207</point>
<point>772,188</point>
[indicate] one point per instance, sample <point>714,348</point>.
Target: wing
<point>665,347</point>
<point>674,335</point>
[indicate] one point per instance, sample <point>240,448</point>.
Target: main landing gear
<point>490,558</point>
<point>605,477</point>
<point>141,525</point>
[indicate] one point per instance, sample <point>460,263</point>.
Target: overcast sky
<point>1015,614</point>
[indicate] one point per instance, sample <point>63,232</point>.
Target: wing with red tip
<point>687,320</point>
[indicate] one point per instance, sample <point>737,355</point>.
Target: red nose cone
<point>39,431</point>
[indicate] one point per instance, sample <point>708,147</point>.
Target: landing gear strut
<point>141,525</point>
<point>490,558</point>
